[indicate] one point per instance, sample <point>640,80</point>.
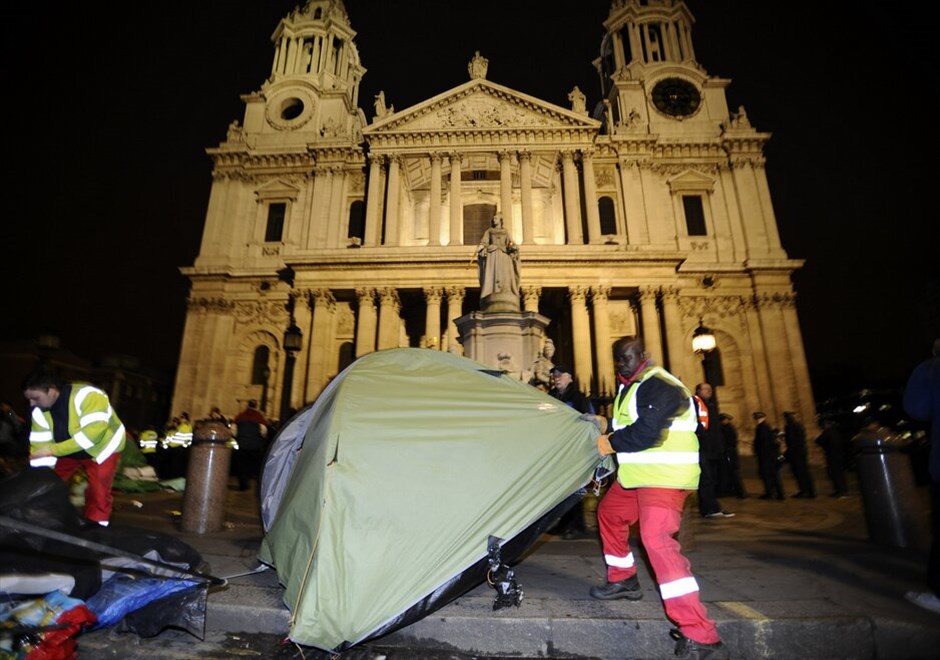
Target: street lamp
<point>703,343</point>
<point>293,341</point>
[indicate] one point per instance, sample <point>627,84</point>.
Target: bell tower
<point>313,89</point>
<point>650,79</point>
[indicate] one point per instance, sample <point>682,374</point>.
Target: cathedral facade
<point>649,214</point>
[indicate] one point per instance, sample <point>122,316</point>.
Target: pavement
<point>798,578</point>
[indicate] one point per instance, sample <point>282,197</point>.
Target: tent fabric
<point>385,491</point>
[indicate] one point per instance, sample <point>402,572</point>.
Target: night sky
<point>110,107</point>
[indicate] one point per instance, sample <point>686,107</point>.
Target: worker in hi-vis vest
<point>74,426</point>
<point>654,422</point>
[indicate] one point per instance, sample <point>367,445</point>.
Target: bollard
<point>894,513</point>
<point>207,478</point>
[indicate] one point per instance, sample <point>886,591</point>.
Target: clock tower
<point>650,79</point>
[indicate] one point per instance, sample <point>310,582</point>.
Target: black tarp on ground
<point>40,499</point>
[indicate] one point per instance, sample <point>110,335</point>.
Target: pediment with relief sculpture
<point>479,105</point>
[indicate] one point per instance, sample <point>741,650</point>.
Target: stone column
<point>365,322</point>
<point>581,337</point>
<point>321,341</point>
<point>456,204</point>
<point>389,319</point>
<point>779,360</point>
<point>373,229</point>
<point>633,203</point>
<point>770,219</point>
<point>505,189</point>
<point>650,319</point>
<point>322,188</point>
<point>304,318</point>
<point>455,296</point>
<point>602,342</point>
<point>525,181</point>
<point>764,398</point>
<point>590,195</point>
<point>275,66</point>
<point>572,200</point>
<point>531,296</point>
<point>391,207</point>
<point>434,213</point>
<point>674,336</point>
<point>432,318</point>
<point>334,238</point>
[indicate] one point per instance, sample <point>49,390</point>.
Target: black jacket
<point>657,404</point>
<point>574,398</point>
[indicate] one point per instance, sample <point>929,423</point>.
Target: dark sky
<point>110,107</point>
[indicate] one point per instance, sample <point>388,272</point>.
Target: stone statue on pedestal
<point>498,260</point>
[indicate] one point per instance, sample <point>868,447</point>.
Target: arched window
<point>357,220</point>
<point>346,354</point>
<point>605,208</point>
<point>259,366</point>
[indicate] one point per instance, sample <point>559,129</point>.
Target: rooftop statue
<point>478,66</point>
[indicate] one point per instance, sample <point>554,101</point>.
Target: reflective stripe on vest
<point>41,437</point>
<point>112,445</point>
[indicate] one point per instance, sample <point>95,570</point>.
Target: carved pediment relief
<point>691,181</point>
<point>480,104</point>
<point>277,189</point>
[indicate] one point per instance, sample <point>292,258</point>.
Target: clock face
<point>676,97</point>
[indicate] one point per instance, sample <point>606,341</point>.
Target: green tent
<point>379,500</point>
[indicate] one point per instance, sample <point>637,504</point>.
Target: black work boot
<point>628,588</point>
<point>692,650</point>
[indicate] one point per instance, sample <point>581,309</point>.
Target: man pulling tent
<point>379,500</point>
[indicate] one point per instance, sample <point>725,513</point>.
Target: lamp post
<point>703,343</point>
<point>293,340</point>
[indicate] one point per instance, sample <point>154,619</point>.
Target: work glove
<point>603,445</point>
<point>596,420</point>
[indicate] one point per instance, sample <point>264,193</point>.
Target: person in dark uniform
<point>797,455</point>
<point>767,450</point>
<point>833,444</point>
<point>711,446</point>
<point>251,431</point>
<point>731,482</point>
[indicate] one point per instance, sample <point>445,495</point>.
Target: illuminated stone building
<point>650,213</point>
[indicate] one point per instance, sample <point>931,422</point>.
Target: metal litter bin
<point>207,478</point>
<point>894,510</point>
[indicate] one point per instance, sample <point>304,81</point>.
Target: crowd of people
<point>250,431</point>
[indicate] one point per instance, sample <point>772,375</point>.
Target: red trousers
<point>98,498</point>
<point>659,513</point>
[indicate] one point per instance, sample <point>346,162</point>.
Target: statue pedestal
<point>507,341</point>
